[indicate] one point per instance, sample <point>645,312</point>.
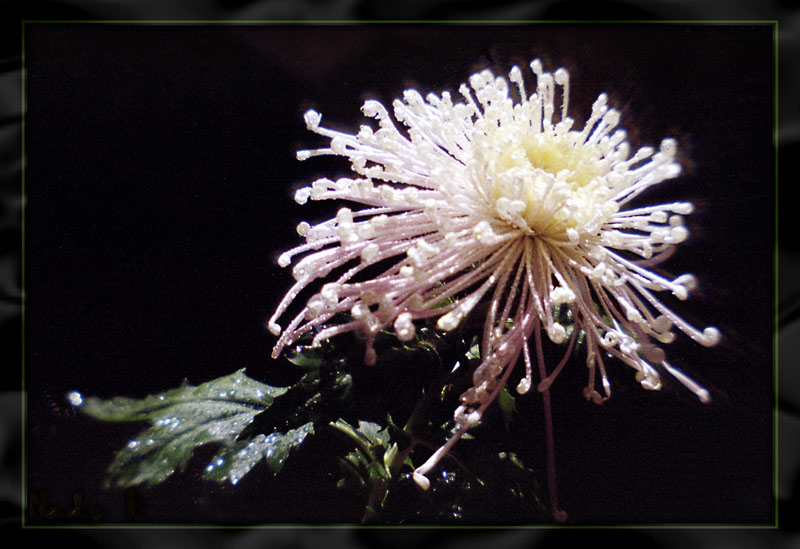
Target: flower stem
<point>552,486</point>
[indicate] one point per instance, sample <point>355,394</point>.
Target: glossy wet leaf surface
<point>250,423</point>
<point>183,419</point>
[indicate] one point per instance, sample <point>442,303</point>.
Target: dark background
<point>788,253</point>
<point>160,170</point>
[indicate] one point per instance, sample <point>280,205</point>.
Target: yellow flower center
<point>554,154</point>
<point>553,183</point>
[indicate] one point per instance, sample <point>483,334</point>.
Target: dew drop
<point>448,477</point>
<point>75,398</point>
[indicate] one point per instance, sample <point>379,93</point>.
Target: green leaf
<point>234,462</point>
<point>474,352</point>
<point>188,417</point>
<point>376,435</point>
<point>307,357</point>
<point>357,458</point>
<point>389,456</point>
<point>377,472</point>
<point>507,404</point>
<point>235,388</point>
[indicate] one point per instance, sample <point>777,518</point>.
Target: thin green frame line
<point>24,499</point>
<point>300,22</point>
<point>776,282</point>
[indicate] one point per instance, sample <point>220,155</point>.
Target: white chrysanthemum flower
<point>497,198</point>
